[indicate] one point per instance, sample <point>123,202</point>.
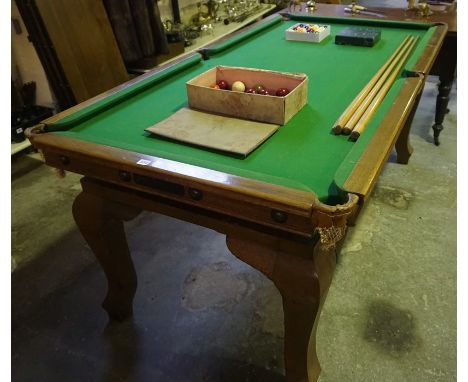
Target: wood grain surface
<point>83,39</point>
<point>232,135</point>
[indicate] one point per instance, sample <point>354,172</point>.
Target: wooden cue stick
<point>346,115</point>
<point>370,96</point>
<point>361,125</point>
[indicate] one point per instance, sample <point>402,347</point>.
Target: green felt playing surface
<point>303,154</point>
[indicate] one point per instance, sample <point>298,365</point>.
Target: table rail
<point>287,209</point>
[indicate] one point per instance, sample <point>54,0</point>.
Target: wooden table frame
<point>287,234</point>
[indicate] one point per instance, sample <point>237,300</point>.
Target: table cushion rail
<point>275,206</point>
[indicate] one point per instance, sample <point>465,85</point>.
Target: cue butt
<point>354,136</point>
<point>336,130</point>
<point>359,112</point>
<point>370,111</point>
<point>346,130</point>
<point>348,113</point>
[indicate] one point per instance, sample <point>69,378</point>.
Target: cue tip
<point>346,130</point>
<point>354,136</point>
<point>337,129</point>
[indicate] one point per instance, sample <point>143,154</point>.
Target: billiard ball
<point>238,86</point>
<point>250,90</point>
<point>258,88</point>
<point>223,85</point>
<point>214,86</point>
<point>281,92</point>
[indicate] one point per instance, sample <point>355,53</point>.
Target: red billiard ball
<point>281,92</point>
<point>267,92</point>
<point>251,91</point>
<point>223,85</point>
<point>258,88</point>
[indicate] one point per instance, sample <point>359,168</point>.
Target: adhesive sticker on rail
<point>144,162</point>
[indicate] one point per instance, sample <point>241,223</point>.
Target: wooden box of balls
<point>254,94</point>
<point>307,32</point>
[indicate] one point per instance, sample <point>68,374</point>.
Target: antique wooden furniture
<point>285,207</point>
<point>76,45</point>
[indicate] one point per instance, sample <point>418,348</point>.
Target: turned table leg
<point>443,98</point>
<point>101,223</point>
<point>445,66</point>
<point>302,275</point>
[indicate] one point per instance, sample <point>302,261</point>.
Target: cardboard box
<point>293,34</point>
<point>256,107</point>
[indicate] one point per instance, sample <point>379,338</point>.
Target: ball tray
<point>307,32</point>
<point>256,107</point>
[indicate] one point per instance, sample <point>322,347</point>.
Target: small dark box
<point>357,36</point>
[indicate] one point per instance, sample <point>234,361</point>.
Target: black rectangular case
<point>357,36</point>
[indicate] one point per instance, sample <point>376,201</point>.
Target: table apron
<point>185,191</point>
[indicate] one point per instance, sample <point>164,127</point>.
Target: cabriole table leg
<point>302,274</point>
<point>402,145</point>
<point>101,223</point>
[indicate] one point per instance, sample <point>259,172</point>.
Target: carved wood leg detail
<point>402,145</point>
<point>101,223</point>
<point>302,277</point>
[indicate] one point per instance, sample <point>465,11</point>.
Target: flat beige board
<point>218,132</point>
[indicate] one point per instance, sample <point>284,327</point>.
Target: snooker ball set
<point>248,93</point>
<point>239,86</point>
<point>347,36</point>
<point>307,32</point>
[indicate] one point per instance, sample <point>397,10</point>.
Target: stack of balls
<point>239,86</point>
<point>309,28</point>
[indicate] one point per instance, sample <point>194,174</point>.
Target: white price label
<point>144,162</point>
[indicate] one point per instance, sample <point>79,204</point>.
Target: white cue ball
<point>238,87</point>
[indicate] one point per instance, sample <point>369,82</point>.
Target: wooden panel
<point>83,39</point>
<point>218,132</point>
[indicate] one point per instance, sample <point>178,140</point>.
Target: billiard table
<point>284,208</point>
